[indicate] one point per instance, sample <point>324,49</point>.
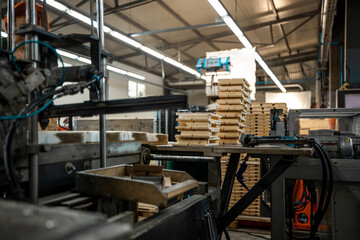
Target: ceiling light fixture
<point>108,67</point>
<point>221,10</point>
<point>122,37</point>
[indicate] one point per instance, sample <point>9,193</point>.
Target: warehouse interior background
<point>165,119</point>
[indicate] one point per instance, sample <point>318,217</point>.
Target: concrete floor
<point>249,234</point>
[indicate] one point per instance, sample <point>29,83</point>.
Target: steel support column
<point>103,83</point>
<point>32,54</point>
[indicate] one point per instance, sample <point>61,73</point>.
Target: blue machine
<point>213,64</point>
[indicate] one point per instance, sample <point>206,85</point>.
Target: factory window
<point>136,89</point>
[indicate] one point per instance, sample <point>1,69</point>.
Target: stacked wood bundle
<point>233,105</point>
<point>197,129</point>
<point>251,177</point>
<point>258,120</point>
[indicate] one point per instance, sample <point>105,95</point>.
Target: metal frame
<point>306,168</point>
<point>167,45</point>
<point>264,183</point>
<point>347,114</point>
<point>117,106</point>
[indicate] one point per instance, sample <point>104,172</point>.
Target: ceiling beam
<point>183,21</point>
<point>207,25</point>
<point>295,58</point>
<point>248,28</point>
<point>275,11</point>
<point>245,29</point>
<point>53,22</point>
<point>126,6</point>
<point>142,28</point>
<point>290,32</point>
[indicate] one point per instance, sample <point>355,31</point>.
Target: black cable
<point>227,235</point>
<point>7,154</point>
<point>322,210</point>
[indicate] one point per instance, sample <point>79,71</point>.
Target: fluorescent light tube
<point>67,54</point>
<point>221,10</point>
<point>117,70</point>
<point>245,42</point>
<point>173,62</point>
<point>269,72</point>
<point>57,5</point>
<point>125,39</point>
<point>233,26</point>
<point>84,60</point>
<point>218,7</point>
<point>190,70</point>
<point>134,75</point>
<point>152,52</point>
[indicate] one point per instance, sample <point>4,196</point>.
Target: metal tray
<point>115,182</point>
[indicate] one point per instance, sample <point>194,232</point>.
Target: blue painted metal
<point>213,64</point>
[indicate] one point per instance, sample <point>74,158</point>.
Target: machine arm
<point>117,106</point>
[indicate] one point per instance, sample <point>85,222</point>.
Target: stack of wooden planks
<point>232,106</point>
<point>197,129</point>
<point>251,177</point>
<point>258,120</point>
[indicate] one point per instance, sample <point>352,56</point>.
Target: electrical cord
<point>324,205</point>
<point>325,195</point>
<point>7,155</point>
<point>13,60</point>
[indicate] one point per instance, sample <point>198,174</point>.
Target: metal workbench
<point>280,157</point>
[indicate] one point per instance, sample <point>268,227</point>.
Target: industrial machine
<point>213,64</point>
<point>42,185</point>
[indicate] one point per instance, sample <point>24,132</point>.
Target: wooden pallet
<point>251,176</point>
<point>198,129</point>
<point>196,142</point>
<point>230,128</point>
<point>227,101</point>
<point>198,117</point>
<point>230,135</point>
<point>240,107</point>
<point>230,121</point>
<point>231,95</point>
<point>198,134</point>
<point>230,141</point>
<point>233,82</point>
<point>197,126</point>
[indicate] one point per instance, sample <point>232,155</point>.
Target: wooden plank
<point>198,134</point>
<point>229,128</point>
<point>230,89</point>
<point>180,188</point>
<point>233,82</point>
<point>231,95</point>
<point>230,107</point>
<point>199,128</point>
<point>230,114</point>
<point>227,135</point>
<point>230,121</point>
<point>226,101</point>
<point>229,141</point>
<point>196,142</point>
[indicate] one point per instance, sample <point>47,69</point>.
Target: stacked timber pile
<point>258,120</point>
<point>197,129</point>
<point>251,177</point>
<point>233,105</point>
